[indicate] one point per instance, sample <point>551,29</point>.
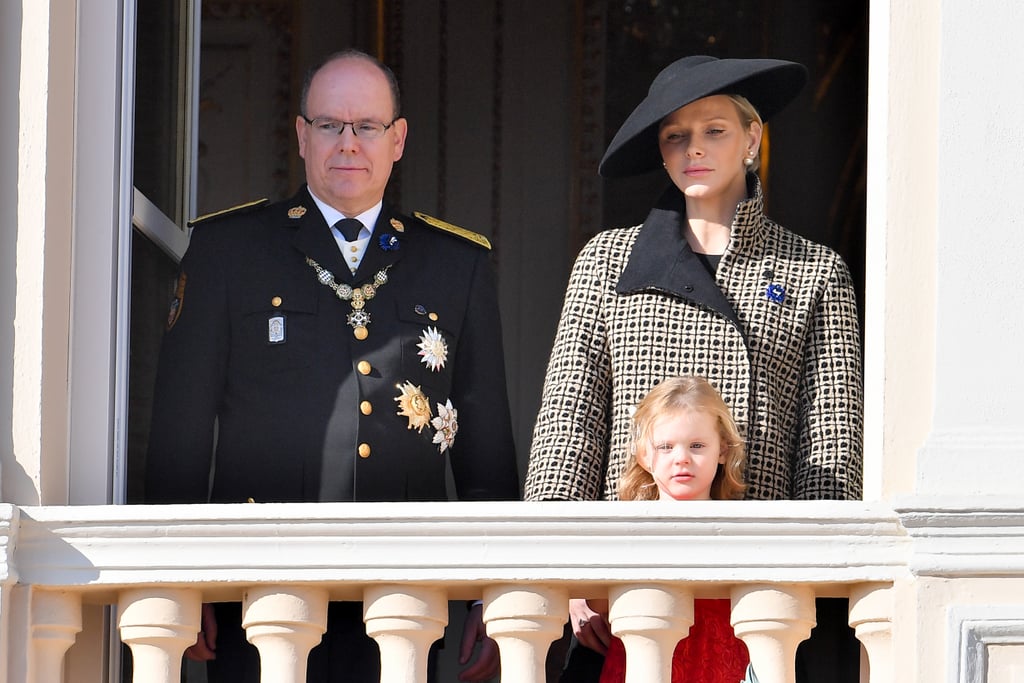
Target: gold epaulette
<point>225,212</point>
<point>474,237</point>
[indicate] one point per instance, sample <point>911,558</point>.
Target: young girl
<point>684,446</point>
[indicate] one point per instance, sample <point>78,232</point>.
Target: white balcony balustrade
<point>156,565</point>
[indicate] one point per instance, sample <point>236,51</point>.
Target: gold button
<point>353,259</point>
<point>275,302</point>
<point>432,316</point>
<point>353,249</point>
<point>364,450</point>
<point>366,407</point>
<point>364,367</point>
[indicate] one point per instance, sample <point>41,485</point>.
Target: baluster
<point>772,621</point>
<point>524,621</point>
<point>56,620</point>
<point>871,609</point>
<point>650,620</point>
<point>284,623</point>
<point>405,621</point>
<point>158,624</point>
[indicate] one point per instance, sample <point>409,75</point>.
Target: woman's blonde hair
<point>671,397</point>
<point>748,116</point>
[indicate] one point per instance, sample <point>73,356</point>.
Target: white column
<point>976,367</point>
<point>405,621</point>
<point>284,623</point>
<point>56,619</point>
<point>773,620</point>
<point>871,610</point>
<point>651,620</point>
<point>524,620</point>
<point>37,338</point>
<point>158,624</point>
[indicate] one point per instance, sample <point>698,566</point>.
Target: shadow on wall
<point>10,83</point>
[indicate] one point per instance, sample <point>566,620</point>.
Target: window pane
<point>160,105</point>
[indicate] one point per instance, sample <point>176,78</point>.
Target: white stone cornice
<point>962,537</point>
<point>349,543</point>
<point>9,519</point>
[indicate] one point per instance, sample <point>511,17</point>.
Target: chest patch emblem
<point>275,329</point>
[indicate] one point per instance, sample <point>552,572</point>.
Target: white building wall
<point>977,439</point>
<point>35,466</point>
<point>900,270</point>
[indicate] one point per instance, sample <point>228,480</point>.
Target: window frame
<point>107,203</point>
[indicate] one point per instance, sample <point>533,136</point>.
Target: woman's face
<point>703,146</point>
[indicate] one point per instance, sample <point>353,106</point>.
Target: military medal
<point>414,405</point>
<point>445,425</point>
<point>358,319</point>
<point>433,349</point>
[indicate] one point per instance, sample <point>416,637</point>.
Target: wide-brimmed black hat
<point>769,84</point>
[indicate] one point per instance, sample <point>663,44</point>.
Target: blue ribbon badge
<point>776,293</point>
<point>388,242</point>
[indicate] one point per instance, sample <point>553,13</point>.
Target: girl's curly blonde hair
<point>670,397</point>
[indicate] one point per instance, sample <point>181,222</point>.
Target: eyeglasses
<point>367,130</point>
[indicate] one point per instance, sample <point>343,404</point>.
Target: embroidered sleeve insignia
<point>178,302</point>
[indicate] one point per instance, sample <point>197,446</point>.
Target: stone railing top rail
<point>466,545</point>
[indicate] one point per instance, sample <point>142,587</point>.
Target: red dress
<point>710,654</point>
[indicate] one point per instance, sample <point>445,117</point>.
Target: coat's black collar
<point>314,239</point>
<point>662,261</point>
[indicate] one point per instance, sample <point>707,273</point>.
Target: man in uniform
<point>344,351</point>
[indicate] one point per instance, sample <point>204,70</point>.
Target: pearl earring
<point>748,162</point>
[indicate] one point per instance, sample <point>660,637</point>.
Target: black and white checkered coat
<point>775,331</point>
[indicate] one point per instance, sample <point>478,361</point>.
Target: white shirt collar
<point>368,218</point>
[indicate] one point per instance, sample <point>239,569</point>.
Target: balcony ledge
<point>463,545</point>
<point>101,549</point>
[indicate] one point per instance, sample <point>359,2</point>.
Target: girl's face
<point>703,146</point>
<point>684,454</point>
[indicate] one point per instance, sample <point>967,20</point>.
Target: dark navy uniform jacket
<point>305,411</point>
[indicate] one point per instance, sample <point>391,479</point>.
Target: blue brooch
<point>388,242</point>
<point>776,293</point>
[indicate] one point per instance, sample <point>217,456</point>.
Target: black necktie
<point>350,228</point>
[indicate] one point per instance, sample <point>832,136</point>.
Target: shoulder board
<point>474,237</point>
<point>226,212</point>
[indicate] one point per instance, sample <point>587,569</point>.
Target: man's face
<point>346,171</point>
